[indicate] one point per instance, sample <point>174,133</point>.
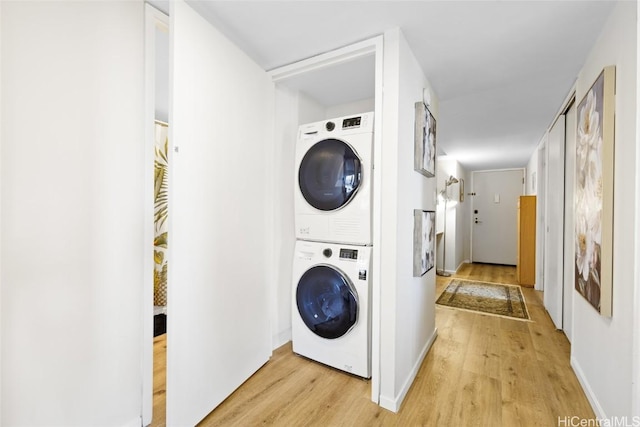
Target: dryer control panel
<point>348,253</point>
<point>351,122</point>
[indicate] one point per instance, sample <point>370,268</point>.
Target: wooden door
<point>526,267</point>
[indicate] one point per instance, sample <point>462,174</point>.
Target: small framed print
<point>424,141</point>
<point>424,241</point>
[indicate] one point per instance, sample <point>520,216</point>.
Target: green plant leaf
<point>161,240</point>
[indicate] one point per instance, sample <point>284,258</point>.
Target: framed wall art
<point>424,141</point>
<point>593,203</point>
<point>424,241</point>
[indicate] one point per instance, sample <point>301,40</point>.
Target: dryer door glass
<point>327,301</point>
<point>329,174</point>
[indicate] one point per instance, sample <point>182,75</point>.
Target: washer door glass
<point>329,174</point>
<point>327,301</point>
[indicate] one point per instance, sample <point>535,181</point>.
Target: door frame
<point>569,221</point>
<point>154,19</point>
<point>541,223</point>
<point>553,295</point>
<point>567,103</point>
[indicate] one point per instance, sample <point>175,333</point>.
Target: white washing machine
<point>331,315</point>
<point>334,170</point>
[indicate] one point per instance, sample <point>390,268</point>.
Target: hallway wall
<point>458,232</point>
<point>602,347</point>
<point>407,320</point>
<point>72,238</point>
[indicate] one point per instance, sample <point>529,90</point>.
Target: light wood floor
<point>482,370</point>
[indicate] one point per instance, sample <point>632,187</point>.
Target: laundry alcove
<point>343,82</point>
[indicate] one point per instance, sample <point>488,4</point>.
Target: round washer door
<point>329,174</point>
<point>327,301</point>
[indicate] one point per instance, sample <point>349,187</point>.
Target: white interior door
<point>567,299</point>
<point>554,242</point>
<point>541,211</point>
<point>494,215</point>
<point>220,218</point>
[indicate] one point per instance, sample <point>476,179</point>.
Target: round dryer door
<point>327,301</point>
<point>329,174</point>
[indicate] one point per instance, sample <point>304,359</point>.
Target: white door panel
<point>541,211</point>
<point>494,215</point>
<point>218,291</point>
<point>554,242</point>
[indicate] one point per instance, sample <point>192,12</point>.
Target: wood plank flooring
<point>481,371</point>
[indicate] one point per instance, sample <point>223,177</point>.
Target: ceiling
<point>500,69</point>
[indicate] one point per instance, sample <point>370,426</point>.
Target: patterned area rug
<point>490,298</point>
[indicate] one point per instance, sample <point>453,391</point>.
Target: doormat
<point>490,298</point>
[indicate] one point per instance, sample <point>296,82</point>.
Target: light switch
<point>496,198</point>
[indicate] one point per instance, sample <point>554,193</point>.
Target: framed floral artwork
<point>424,141</point>
<point>424,241</point>
<point>593,201</point>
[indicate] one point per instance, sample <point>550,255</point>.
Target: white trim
<point>635,353</point>
<point>394,403</point>
<point>0,216</point>
<point>334,57</point>
<point>541,194</point>
<point>569,99</point>
<point>588,391</point>
<point>377,223</point>
<point>153,19</point>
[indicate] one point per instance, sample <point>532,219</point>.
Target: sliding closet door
<point>218,315</point>
<point>554,240</point>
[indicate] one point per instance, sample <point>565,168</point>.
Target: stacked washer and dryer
<point>331,315</point>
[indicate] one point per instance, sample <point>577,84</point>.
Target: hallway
<point>482,370</point>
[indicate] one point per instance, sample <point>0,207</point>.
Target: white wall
<point>531,174</point>
<point>408,303</point>
<point>458,215</point>
<point>635,395</point>
<point>601,352</point>
<point>221,211</point>
<point>72,189</point>
<point>286,126</point>
<point>361,106</point>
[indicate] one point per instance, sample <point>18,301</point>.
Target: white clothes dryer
<point>331,315</point>
<point>333,181</point>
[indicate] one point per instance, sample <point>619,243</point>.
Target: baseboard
<point>281,338</point>
<point>588,391</point>
<point>135,422</point>
<point>393,404</point>
<point>465,261</point>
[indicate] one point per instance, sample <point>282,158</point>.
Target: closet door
<point>554,241</point>
<point>219,218</point>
